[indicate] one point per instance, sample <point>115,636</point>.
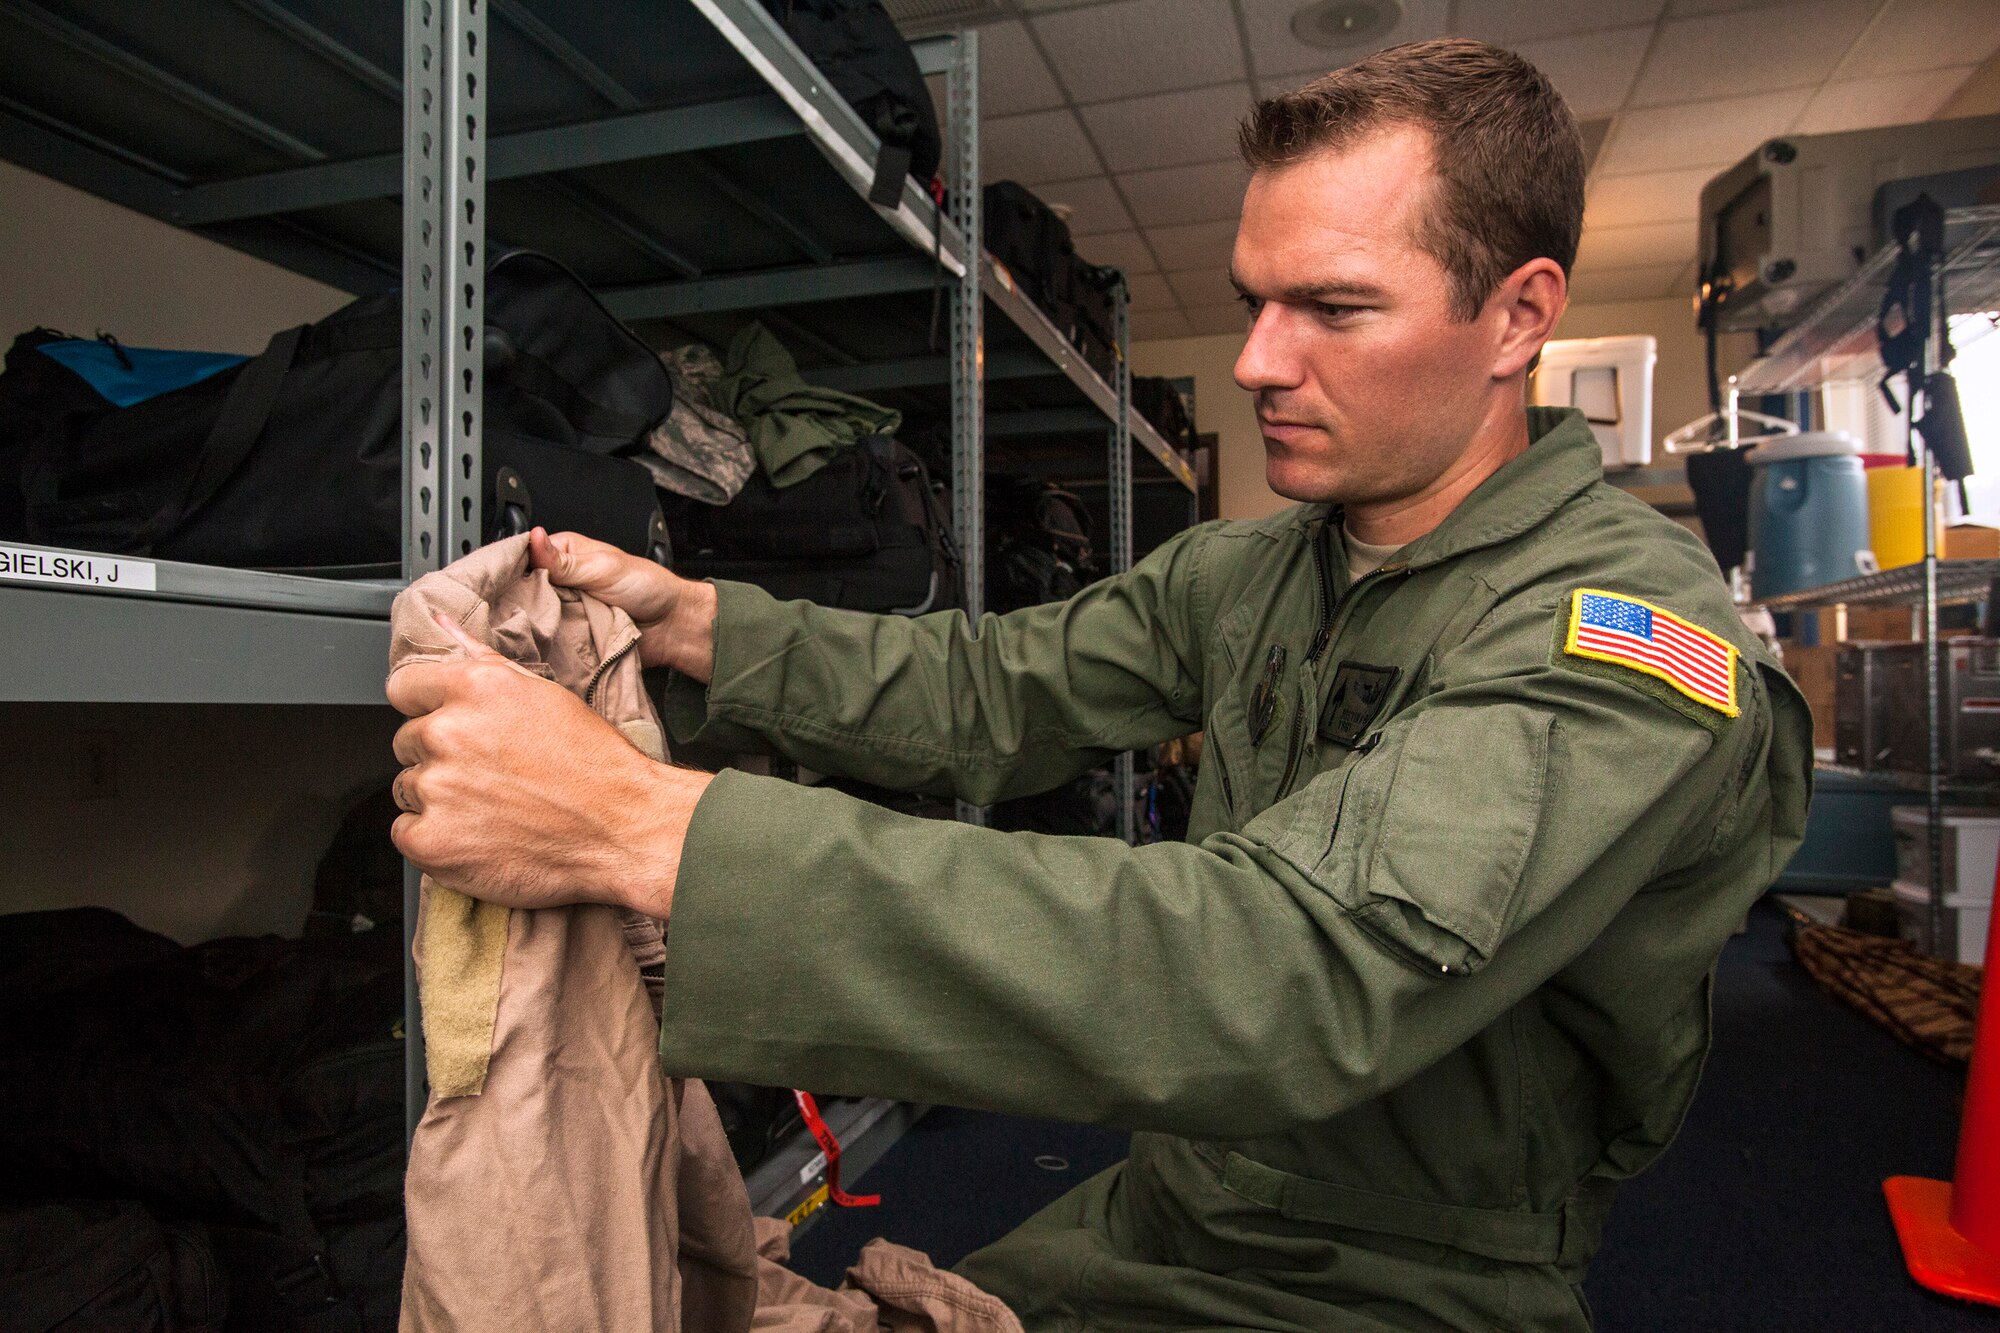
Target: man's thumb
<point>471,646</point>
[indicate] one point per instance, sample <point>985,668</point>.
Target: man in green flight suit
<point>1491,772</point>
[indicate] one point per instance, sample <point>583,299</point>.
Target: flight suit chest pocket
<point>1355,699</point>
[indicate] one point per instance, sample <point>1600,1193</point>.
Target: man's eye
<point>1329,310</point>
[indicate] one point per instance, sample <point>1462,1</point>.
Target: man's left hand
<point>516,792</point>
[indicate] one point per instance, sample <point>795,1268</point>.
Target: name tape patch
<point>76,571</point>
<point>1627,632</point>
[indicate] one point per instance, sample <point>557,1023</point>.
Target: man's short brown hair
<point>1505,147</point>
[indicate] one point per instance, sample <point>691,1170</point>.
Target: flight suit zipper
<point>1333,617</point>
<point>1322,637</point>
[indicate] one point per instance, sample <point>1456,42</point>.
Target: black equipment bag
<point>293,459</point>
<point>1155,398</point>
<point>858,47</point>
<point>1025,234</point>
<point>90,1265</point>
<point>1040,549</point>
<point>1093,324</point>
<point>868,532</point>
<point>252,1085</point>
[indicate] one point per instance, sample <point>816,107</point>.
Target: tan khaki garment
<point>558,1180</point>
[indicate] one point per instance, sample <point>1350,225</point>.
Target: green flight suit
<point>1429,976</point>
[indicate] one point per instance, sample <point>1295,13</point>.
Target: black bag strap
<point>237,428</point>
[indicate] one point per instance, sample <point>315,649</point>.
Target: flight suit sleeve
<point>1345,939</point>
<point>1017,704</point>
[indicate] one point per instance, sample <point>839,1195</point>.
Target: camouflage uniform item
<point>699,451</point>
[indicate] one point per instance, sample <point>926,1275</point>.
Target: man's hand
<point>676,616</point>
<point>516,792</point>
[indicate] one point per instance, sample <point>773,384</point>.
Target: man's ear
<point>1531,300</point>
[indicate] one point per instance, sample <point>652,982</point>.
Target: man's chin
<point>1292,478</point>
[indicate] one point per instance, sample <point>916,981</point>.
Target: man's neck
<point>1500,439</point>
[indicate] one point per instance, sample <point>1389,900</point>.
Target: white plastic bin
<point>1611,380</point>
<point>1966,921</point>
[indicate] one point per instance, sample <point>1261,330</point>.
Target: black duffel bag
<point>1034,244</point>
<point>859,49</point>
<point>293,459</point>
<point>867,532</point>
<point>91,1265</point>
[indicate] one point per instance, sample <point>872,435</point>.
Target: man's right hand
<point>676,616</point>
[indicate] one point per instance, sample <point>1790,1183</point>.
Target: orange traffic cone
<point>1950,1229</point>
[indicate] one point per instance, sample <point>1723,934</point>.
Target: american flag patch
<point>1631,633</point>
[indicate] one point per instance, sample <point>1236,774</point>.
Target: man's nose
<point>1268,360</point>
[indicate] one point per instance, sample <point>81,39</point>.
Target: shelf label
<point>27,565</point>
<point>812,1204</point>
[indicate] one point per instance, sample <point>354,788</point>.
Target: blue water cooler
<point>1808,513</point>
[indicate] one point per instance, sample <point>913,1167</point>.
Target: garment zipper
<point>1333,616</point>
<point>610,660</point>
<point>1322,637</point>
<point>1222,772</point>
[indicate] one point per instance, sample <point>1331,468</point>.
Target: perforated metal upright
<point>1119,502</point>
<point>444,265</point>
<point>968,338</point>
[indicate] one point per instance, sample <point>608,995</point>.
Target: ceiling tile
<point>1206,193</point>
<point>1866,104</point>
<point>1013,77</point>
<point>1915,35</point>
<point>1152,324</point>
<point>1647,283</point>
<point>1198,125</point>
<point>1219,319</point>
<point>1698,134</point>
<point>1093,205</point>
<point>1120,249</point>
<point>1658,196</point>
<point>1151,292</point>
<point>1141,46</point>
<point>1508,22</point>
<point>1273,49</point>
<point>1040,146</point>
<point>1719,55</point>
<point>1629,247</point>
<point>1202,286</point>
<point>1196,245</point>
<point>1594,71</point>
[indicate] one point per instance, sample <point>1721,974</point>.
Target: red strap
<point>828,1144</point>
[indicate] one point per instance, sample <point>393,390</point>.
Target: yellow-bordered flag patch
<point>1625,631</point>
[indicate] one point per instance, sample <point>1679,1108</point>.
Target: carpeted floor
<point>1766,1214</point>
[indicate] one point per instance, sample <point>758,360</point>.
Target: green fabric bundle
<point>795,427</point>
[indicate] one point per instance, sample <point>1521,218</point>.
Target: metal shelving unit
<point>685,159</point>
<point>1835,342</point>
<point>791,1183</point>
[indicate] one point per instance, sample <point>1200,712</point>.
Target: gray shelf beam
<point>920,371</point>
<point>41,569</point>
<point>82,647</point>
<point>136,67</point>
<point>1043,421</point>
<point>624,138</point>
<point>786,1183</point>
<point>771,287</point>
